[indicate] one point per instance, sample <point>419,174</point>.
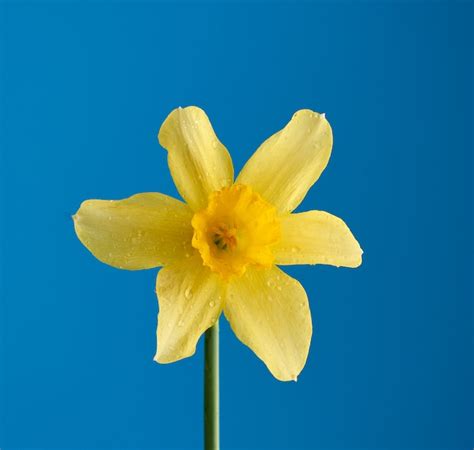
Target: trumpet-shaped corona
<point>238,228</point>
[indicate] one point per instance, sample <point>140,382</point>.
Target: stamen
<point>224,237</point>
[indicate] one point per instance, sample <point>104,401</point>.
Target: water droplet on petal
<point>212,304</point>
<point>188,293</point>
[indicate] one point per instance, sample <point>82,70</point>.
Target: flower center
<point>238,228</point>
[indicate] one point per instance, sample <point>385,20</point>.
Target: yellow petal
<point>142,231</point>
<point>287,164</point>
<point>269,312</point>
<point>316,237</point>
<point>198,161</point>
<point>190,300</point>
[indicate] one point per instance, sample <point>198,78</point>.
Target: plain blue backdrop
<point>84,89</point>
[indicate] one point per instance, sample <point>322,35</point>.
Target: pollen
<point>237,229</point>
<point>224,237</point>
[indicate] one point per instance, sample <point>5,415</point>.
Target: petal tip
<point>286,377</point>
<point>163,359</point>
<point>171,357</point>
<point>160,358</point>
<point>358,261</point>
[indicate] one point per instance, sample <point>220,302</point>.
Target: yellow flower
<point>220,250</point>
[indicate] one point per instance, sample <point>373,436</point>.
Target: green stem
<point>211,388</point>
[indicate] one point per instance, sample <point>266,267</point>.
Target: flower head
<point>220,250</point>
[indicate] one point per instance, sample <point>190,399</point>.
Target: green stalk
<point>211,388</point>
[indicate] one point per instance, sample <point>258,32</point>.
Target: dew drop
<point>212,304</point>
<point>188,293</point>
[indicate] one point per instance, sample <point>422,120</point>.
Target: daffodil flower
<point>221,248</point>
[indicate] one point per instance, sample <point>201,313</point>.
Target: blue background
<point>84,89</point>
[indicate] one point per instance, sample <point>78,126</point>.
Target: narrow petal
<point>198,161</point>
<point>316,237</point>
<point>190,300</point>
<point>287,164</point>
<point>140,232</point>
<point>269,312</point>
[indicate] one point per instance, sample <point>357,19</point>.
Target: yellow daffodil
<point>222,248</point>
